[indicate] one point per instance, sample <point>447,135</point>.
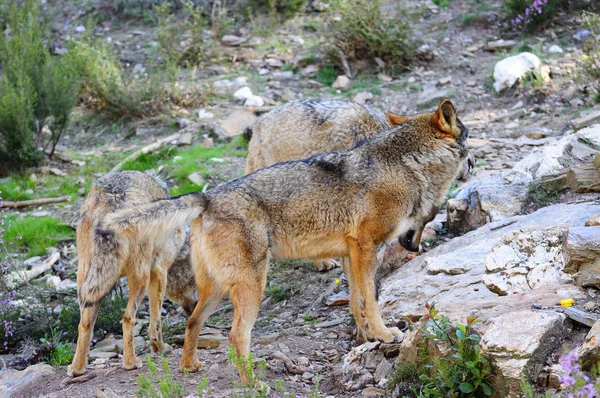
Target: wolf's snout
<point>409,240</point>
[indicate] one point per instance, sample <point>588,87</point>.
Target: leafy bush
<point>61,353</point>
<point>109,317</point>
<point>365,32</point>
<point>286,8</point>
<point>591,50</point>
<point>529,14</point>
<point>452,363</point>
<point>36,88</point>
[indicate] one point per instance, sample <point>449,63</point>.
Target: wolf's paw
<point>135,364</point>
<point>397,333</point>
<point>326,264</point>
<point>160,347</point>
<point>388,335</point>
<point>74,371</point>
<point>193,367</point>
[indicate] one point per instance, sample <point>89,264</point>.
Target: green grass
<point>467,19</point>
<point>442,3</point>
<point>188,161</point>
<point>365,83</point>
<point>277,293</point>
<point>34,235</point>
<point>14,188</point>
<point>62,355</point>
<point>327,75</point>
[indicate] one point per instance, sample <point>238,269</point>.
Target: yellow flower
<point>337,281</point>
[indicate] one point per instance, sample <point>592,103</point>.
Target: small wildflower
<point>337,281</point>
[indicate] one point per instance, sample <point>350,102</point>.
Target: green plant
<point>36,234</point>
<point>541,195</point>
<point>442,3</point>
<point>527,15</point>
<point>36,88</point>
<point>278,293</point>
<point>256,387</point>
<point>285,8</point>
<point>528,391</point>
<point>463,370</point>
<point>109,316</point>
<point>62,352</point>
<point>327,75</point>
<point>591,51</point>
<point>167,387</point>
<point>365,32</point>
<point>220,21</point>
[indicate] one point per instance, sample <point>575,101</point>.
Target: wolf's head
<point>448,158</point>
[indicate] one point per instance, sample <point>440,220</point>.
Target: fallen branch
<point>147,149</point>
<point>34,202</point>
<point>18,278</point>
<point>289,365</point>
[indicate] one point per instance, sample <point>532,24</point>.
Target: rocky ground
<point>503,249</point>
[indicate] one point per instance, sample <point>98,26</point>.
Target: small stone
<point>223,83</point>
<point>81,192</point>
<point>500,45</point>
<point>590,306</point>
<point>33,177</point>
<point>102,355</point>
<point>582,35</point>
<point>555,49</point>
<point>185,139</point>
<point>307,376</point>
<point>362,97</point>
<point>340,298</point>
<point>444,81</point>
<point>232,40</point>
<point>182,123</point>
<point>585,120</point>
<point>373,392</point>
<point>310,70</point>
<point>53,282</point>
<point>240,81</point>
<point>204,114</point>
<point>197,179</point>
<point>380,63</point>
<point>342,83</point>
<point>593,221</point>
<point>254,100</point>
<point>288,95</point>
<point>57,172</point>
<point>384,78</point>
<point>274,63</point>
<point>208,142</point>
<point>80,29</point>
<point>106,392</point>
<point>243,94</point>
<point>282,75</point>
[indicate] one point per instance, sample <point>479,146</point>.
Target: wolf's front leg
<point>360,268</point>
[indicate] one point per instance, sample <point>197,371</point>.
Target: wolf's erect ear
<point>396,119</point>
<point>445,118</point>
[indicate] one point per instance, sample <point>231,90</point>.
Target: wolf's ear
<point>396,119</point>
<point>445,118</point>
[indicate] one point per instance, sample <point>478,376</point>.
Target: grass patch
<point>278,293</point>
<point>180,163</point>
<point>442,3</point>
<point>327,75</point>
<point>35,234</point>
<point>540,195</point>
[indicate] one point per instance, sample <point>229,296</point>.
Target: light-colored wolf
<point>151,261</point>
<point>337,204</point>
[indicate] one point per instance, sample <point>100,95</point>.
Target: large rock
<point>493,198</point>
<point>458,287</point>
<point>526,259</point>
<point>236,122</point>
<point>583,249</point>
<point>512,69</point>
<point>518,341</point>
<point>589,352</point>
<point>13,380</point>
<point>571,150</point>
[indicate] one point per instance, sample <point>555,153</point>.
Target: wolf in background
<point>151,261</point>
<point>336,204</point>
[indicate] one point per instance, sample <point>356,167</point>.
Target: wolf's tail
<point>113,235</point>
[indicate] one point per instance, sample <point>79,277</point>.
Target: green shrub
<point>113,92</point>
<point>452,363</point>
<point>36,88</point>
<point>167,387</point>
<point>61,353</point>
<point>285,8</point>
<point>591,51</point>
<point>365,32</point>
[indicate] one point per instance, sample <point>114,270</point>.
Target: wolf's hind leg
<point>156,293</point>
<point>363,304</point>
<point>85,331</point>
<point>210,295</point>
<point>138,285</point>
<point>245,297</point>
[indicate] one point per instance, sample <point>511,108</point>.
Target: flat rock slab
<point>586,120</point>
<point>235,123</point>
<point>11,380</point>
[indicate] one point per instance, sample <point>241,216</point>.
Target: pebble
<point>555,49</point>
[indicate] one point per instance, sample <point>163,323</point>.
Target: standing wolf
<point>337,204</point>
<point>300,129</point>
<point>147,258</point>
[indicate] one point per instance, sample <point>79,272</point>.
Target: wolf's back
<point>119,234</point>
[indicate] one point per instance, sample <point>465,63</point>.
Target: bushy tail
<point>113,235</point>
